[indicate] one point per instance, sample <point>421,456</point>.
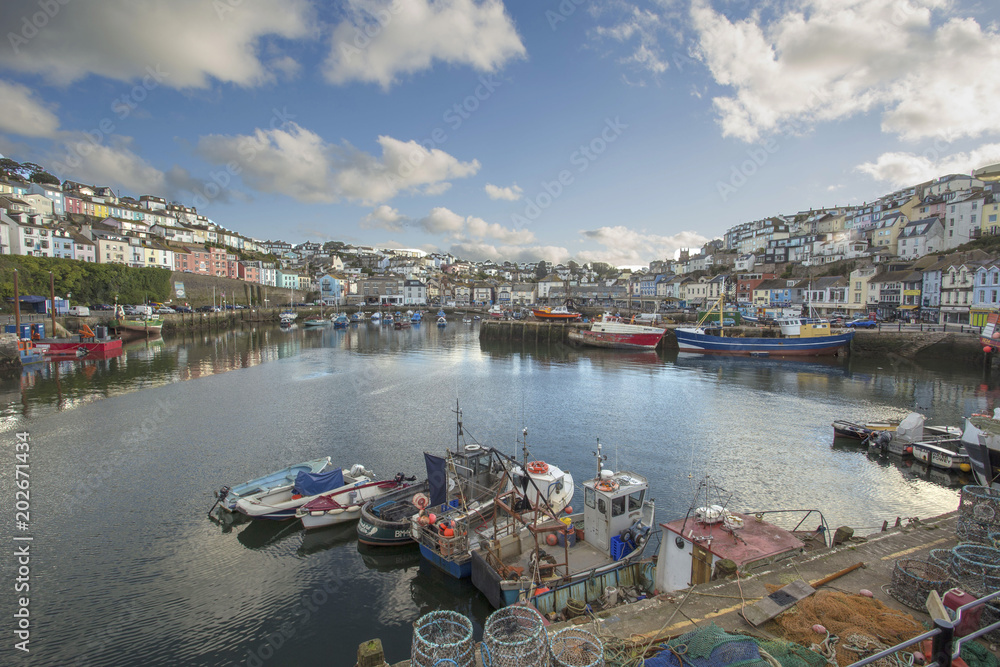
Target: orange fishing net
<point>859,626</point>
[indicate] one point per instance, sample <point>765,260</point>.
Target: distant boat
<point>442,321</point>
<point>145,322</point>
<point>376,316</point>
<point>357,317</point>
<point>340,321</point>
<point>496,312</point>
<point>402,323</point>
<point>416,317</point>
<point>316,322</point>
<point>560,314</point>
<point>441,313</point>
<point>613,332</point>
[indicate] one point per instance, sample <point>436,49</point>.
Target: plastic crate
<point>619,548</point>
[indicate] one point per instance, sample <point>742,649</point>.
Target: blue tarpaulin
<point>437,477</point>
<point>311,484</point>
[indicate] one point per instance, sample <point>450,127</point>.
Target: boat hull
<point>69,348</point>
<point>319,519</point>
<point>691,341</point>
<point>623,341</point>
<point>460,569</point>
<point>557,317</point>
<point>386,521</point>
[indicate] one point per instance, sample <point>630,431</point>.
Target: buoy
<point>551,540</point>
<point>819,629</point>
<point>296,496</point>
<point>431,518</point>
<point>987,349</point>
<point>422,520</point>
<point>420,500</point>
<point>867,593</point>
<point>569,509</point>
<point>918,656</point>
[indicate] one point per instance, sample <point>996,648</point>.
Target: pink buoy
<point>431,518</point>
<point>819,629</point>
<point>867,593</point>
<point>918,656</point>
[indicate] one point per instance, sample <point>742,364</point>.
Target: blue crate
<point>619,548</point>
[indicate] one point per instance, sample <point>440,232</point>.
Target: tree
<point>43,177</point>
<point>540,271</point>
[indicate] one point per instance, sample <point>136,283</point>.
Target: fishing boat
<point>549,561</point>
<point>314,322</point>
<point>442,321</point>
<point>465,487</point>
<point>940,455</point>
<point>813,340</point>
<point>981,441</point>
<point>416,317</point>
<point>848,429</point>
<point>792,326</point>
<point>344,505</point>
<point>559,314</point>
<point>145,322</point>
<point>386,520</point>
<point>284,478</point>
<point>613,332</point>
<point>359,316</point>
<point>911,430</point>
<point>496,312</point>
<point>85,344</point>
<point>376,317</point>
<point>340,321</point>
<point>388,320</point>
<point>402,323</point>
<point>281,503</point>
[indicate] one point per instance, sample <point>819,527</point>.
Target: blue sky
<point>598,131</point>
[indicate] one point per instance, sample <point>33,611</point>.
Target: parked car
<point>204,309</point>
<point>100,306</point>
<point>861,324</point>
<point>183,309</point>
<point>165,310</point>
<point>79,311</point>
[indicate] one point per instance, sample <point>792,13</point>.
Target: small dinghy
<point>343,506</point>
<point>281,503</point>
<point>285,478</point>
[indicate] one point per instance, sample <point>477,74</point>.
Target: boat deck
<point>582,557</point>
<point>754,541</point>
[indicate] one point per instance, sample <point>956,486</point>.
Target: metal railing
<point>945,647</point>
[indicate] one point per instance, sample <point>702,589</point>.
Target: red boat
<point>613,332</point>
<point>560,314</point>
<point>86,344</point>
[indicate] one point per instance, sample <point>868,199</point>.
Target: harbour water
<point>127,568</point>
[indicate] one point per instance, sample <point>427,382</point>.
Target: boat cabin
<point>613,504</point>
<point>475,471</point>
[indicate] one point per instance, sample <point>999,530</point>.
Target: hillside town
<point>909,255</point>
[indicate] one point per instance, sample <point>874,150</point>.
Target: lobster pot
<point>970,531</point>
<point>913,580</point>
<point>515,637</point>
<point>976,569</point>
<point>442,637</point>
<point>572,647</point>
<point>940,557</point>
<point>995,539</point>
<point>980,504</point>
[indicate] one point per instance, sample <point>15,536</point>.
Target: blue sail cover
<point>310,484</point>
<point>437,477</point>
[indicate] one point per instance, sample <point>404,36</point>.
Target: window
<point>635,501</point>
<point>618,506</point>
<point>602,507</point>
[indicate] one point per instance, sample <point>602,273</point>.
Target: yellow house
<point>858,290</point>
<point>111,251</point>
<point>990,222</point>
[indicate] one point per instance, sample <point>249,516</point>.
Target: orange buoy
<point>569,509</point>
<point>538,467</point>
<point>551,540</point>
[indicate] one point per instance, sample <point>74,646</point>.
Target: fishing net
<point>442,637</point>
<point>515,637</point>
<point>710,646</point>
<point>913,580</point>
<point>976,569</point>
<point>572,647</point>
<point>940,557</point>
<point>856,626</point>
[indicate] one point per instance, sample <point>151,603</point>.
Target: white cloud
<point>832,59</point>
<point>442,221</point>
<point>510,193</point>
<point>190,42</point>
<point>479,228</point>
<point>23,114</point>
<point>384,217</point>
<point>379,40</point>
<point>901,169</point>
<point>114,164</point>
<point>624,246</point>
<point>479,251</point>
<point>297,162</point>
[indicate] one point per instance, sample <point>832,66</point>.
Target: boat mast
<point>524,446</point>
<point>458,432</point>
<point>600,458</point>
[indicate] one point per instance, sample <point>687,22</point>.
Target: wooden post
<point>17,307</point>
<point>52,296</point>
<point>371,654</point>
